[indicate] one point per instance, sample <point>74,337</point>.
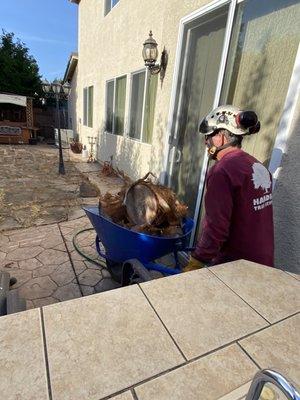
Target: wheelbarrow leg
<point>134,272</point>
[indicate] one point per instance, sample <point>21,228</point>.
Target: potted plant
<point>76,147</point>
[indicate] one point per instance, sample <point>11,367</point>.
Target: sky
<point>47,27</point>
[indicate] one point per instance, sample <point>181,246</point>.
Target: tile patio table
<point>199,335</point>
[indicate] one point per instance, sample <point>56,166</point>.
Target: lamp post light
<point>59,92</point>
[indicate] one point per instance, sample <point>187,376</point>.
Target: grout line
<point>71,261</point>
<point>46,353</point>
<point>164,325</point>
<point>139,383</point>
<point>248,355</point>
<point>285,318</point>
<point>242,337</point>
<point>192,360</point>
<point>184,364</point>
<point>239,296</point>
<point>134,395</point>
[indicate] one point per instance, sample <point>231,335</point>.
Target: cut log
<point>112,206</point>
<point>146,207</point>
<point>141,204</point>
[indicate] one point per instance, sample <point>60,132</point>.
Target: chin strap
<point>214,150</point>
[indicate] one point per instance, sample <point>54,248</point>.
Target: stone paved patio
<point>91,278</point>
<point>37,257</point>
<point>40,212</point>
<point>32,192</point>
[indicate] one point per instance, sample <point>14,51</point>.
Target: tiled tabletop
<point>22,363</point>
<point>200,312</point>
<point>104,343</point>
<point>198,335</point>
<point>271,292</point>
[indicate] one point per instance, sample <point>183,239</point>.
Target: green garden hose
<point>86,256</point>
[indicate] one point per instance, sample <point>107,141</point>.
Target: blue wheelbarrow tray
<point>122,244</point>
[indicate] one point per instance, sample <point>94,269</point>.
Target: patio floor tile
<point>109,341</point>
<point>195,303</point>
<point>270,291</point>
<point>206,379</point>
<point>22,366</point>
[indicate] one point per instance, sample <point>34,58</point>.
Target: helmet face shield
<point>204,127</point>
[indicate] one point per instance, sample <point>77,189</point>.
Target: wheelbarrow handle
<point>190,249</point>
<point>97,242</point>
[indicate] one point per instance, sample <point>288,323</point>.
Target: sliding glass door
<point>241,54</point>
<point>200,67</point>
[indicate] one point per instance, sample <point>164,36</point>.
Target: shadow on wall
<point>253,95</point>
<point>74,122</point>
<point>287,205</point>
<point>158,148</point>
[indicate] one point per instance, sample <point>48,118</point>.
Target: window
<point>143,95</point>
<point>109,4</point>
<point>115,105</point>
<point>88,99</point>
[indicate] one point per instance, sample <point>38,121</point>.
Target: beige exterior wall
<point>72,104</point>
<point>287,204</point>
<point>111,46</point>
<point>105,53</point>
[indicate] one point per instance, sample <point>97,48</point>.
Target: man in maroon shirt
<point>238,222</point>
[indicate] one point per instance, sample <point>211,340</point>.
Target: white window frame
<point>114,80</point>
<point>287,115</point>
<point>88,106</point>
<point>141,139</point>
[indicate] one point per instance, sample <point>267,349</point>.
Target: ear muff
<point>254,129</point>
<point>248,120</point>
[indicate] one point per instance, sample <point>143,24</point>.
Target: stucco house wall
<point>286,202</point>
<point>110,46</point>
<point>106,53</point>
<point>72,104</point>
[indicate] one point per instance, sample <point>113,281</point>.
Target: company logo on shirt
<point>261,179</point>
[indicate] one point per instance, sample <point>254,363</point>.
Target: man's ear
<point>224,136</point>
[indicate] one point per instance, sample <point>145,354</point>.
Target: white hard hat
<point>231,118</point>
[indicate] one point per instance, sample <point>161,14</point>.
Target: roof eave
<point>71,67</point>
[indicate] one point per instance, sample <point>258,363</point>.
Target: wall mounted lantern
<point>150,54</point>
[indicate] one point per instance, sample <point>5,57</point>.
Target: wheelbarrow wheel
<point>134,272</point>
<point>115,269</point>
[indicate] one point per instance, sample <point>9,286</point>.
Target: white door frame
<point>284,128</point>
<point>286,118</point>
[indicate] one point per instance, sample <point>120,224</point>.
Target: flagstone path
<point>40,212</point>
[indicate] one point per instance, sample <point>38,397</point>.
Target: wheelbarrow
<point>131,255</point>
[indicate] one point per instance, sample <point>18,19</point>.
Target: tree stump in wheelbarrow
<point>145,206</point>
<point>153,208</point>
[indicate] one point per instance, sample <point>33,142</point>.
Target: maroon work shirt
<point>238,222</point>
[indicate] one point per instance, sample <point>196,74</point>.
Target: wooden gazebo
<point>16,119</point>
